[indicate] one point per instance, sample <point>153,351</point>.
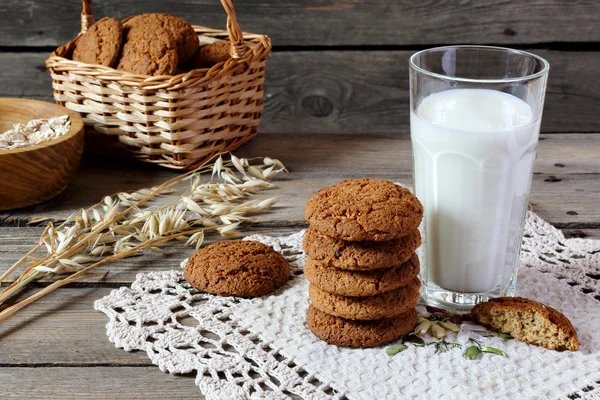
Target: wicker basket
<point>173,121</point>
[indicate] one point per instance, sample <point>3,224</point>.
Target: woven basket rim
<point>58,63</point>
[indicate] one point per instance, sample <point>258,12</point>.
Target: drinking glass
<point>475,114</point>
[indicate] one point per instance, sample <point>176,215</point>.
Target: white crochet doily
<point>261,348</point>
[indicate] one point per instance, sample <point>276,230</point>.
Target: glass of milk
<point>475,114</point>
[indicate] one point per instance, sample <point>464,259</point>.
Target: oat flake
<point>34,132</point>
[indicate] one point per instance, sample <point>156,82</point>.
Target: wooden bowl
<point>32,174</point>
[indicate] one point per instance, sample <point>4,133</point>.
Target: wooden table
<point>57,347</point>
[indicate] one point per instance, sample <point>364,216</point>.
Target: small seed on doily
<point>423,327</point>
<point>437,331</point>
<point>449,325</point>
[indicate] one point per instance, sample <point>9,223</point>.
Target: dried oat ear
<point>123,225</point>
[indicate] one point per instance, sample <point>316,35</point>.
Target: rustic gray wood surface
<point>330,22</point>
<point>565,175</point>
<point>338,66</point>
<point>355,91</point>
<point>57,347</point>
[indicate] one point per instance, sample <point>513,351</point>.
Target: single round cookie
<point>351,333</point>
<point>364,209</point>
<point>148,50</point>
<point>101,44</point>
<point>385,305</point>
<point>360,283</point>
<point>237,268</point>
<point>360,255</point>
<point>186,39</point>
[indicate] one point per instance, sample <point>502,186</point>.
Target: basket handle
<point>87,17</point>
<point>236,38</point>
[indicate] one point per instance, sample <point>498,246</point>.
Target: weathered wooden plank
<point>316,161</point>
<point>368,92</point>
<point>330,22</point>
<point>28,75</point>
<point>565,189</point>
<point>568,153</point>
<point>16,241</point>
<point>582,233</point>
<point>95,383</point>
<point>62,328</point>
<point>567,201</point>
<point>354,91</point>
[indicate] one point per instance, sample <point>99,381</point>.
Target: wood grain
<point>62,328</point>
<point>330,22</point>
<point>57,348</point>
<point>99,383</point>
<point>355,91</point>
<point>565,188</point>
<point>315,161</point>
<point>16,241</point>
<point>582,233</point>
<point>33,174</point>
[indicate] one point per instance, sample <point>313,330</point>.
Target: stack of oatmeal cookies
<point>361,263</point>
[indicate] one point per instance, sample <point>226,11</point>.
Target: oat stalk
<point>122,225</point>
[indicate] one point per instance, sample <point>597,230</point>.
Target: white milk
<point>474,151</point>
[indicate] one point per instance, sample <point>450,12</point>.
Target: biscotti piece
<point>360,255</point>
<point>185,37</point>
<point>528,321</point>
<point>101,43</point>
<point>348,333</point>
<point>364,209</point>
<point>385,305</point>
<point>360,283</point>
<point>148,50</point>
<point>237,268</point>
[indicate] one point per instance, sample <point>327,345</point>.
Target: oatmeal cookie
<point>237,268</point>
<point>148,50</point>
<point>349,333</point>
<point>185,37</point>
<point>364,209</point>
<point>360,283</point>
<point>385,305</point>
<point>101,44</point>
<point>209,55</point>
<point>360,255</point>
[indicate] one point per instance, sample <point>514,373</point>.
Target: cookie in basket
<point>209,55</point>
<point>360,283</point>
<point>148,50</point>
<point>360,255</point>
<point>101,43</point>
<point>528,321</point>
<point>237,268</point>
<point>385,305</point>
<point>185,37</point>
<point>364,209</point>
<point>349,333</point>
